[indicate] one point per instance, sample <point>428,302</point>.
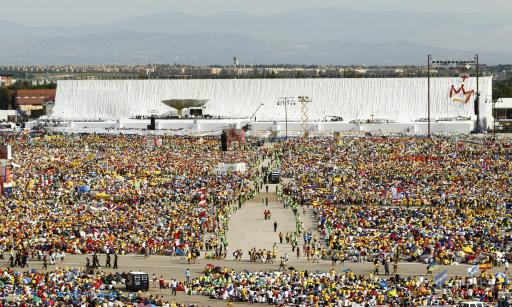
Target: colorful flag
<point>440,278</point>
<point>473,270</point>
<point>384,284</point>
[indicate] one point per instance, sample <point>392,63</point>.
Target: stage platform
<point>212,125</point>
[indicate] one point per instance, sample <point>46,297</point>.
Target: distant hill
<point>487,31</point>
<point>313,36</point>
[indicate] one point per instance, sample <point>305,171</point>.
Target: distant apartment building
<point>237,71</point>
<point>203,71</point>
<point>290,72</point>
<point>39,74</point>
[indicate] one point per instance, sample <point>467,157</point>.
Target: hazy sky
<point>77,12</point>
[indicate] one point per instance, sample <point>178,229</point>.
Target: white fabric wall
<point>399,99</point>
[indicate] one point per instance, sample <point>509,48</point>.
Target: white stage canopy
<point>397,99</point>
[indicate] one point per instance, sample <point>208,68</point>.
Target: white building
<point>7,115</point>
<point>503,115</point>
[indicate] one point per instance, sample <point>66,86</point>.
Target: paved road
<point>248,227</point>
<point>174,267</point>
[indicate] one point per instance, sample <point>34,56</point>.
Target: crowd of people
<point>263,255</point>
<point>383,200</point>
<point>70,287</point>
<point>303,288</point>
<point>109,194</point>
<point>426,200</point>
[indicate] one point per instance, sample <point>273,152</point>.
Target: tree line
<point>502,89</point>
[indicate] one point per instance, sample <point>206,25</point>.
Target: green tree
<point>27,85</point>
<point>502,89</point>
<point>4,97</point>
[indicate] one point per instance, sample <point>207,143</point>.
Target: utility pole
<point>476,102</point>
<point>494,119</point>
<point>494,115</point>
<point>429,59</point>
<point>477,99</point>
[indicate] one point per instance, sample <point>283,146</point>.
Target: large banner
<point>235,138</point>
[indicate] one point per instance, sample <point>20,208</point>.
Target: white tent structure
<point>396,99</point>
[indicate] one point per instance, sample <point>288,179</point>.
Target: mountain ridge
<point>127,47</point>
<point>463,33</point>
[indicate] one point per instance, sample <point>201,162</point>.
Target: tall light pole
<point>477,98</point>
<point>494,119</point>
<point>286,101</point>
<point>494,115</point>
<point>429,60</point>
<point>493,106</point>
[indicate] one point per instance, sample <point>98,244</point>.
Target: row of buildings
<point>32,103</point>
<point>150,71</point>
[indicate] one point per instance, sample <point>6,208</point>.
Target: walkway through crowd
<point>249,229</point>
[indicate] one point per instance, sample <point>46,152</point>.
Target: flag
<point>473,270</point>
<point>485,266</point>
<point>328,230</point>
<point>440,278</point>
<point>230,288</point>
<point>384,284</point>
<point>500,276</point>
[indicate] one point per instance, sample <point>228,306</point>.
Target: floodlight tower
<point>286,101</point>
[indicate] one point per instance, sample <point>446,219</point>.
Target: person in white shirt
<point>174,286</point>
<point>492,281</point>
<point>470,293</point>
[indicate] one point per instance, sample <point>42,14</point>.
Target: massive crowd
<point>375,199</point>
<point>109,194</point>
<point>303,288</point>
<point>408,199</point>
